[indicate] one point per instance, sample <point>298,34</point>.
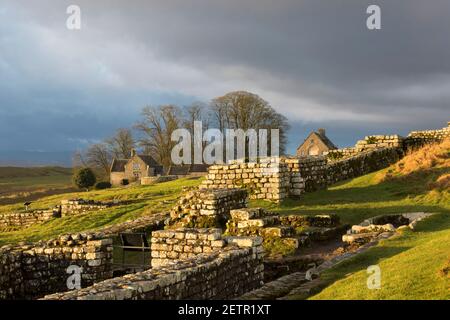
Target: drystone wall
<point>291,231</point>
<point>361,164</point>
<point>167,245</point>
<point>206,208</point>
<point>418,138</point>
<point>265,180</point>
<point>18,220</point>
<point>33,270</point>
<point>79,206</point>
<point>226,273</point>
<point>290,177</point>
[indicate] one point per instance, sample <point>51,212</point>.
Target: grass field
<point>364,197</point>
<point>412,263</point>
<point>28,184</point>
<point>144,200</point>
<point>411,266</point>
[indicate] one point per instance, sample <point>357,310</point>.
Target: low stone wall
<point>283,234</point>
<point>417,139</point>
<point>79,206</point>
<point>290,177</point>
<point>18,220</point>
<point>206,208</point>
<point>145,181</point>
<point>34,270</point>
<point>307,174</point>
<point>168,245</point>
<point>269,179</point>
<point>154,221</point>
<point>223,274</point>
<point>361,164</point>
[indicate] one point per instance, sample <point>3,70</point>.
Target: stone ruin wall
<point>289,177</point>
<point>20,220</point>
<point>414,140</point>
<point>224,273</point>
<point>33,270</point>
<point>297,175</point>
<point>185,243</point>
<point>361,164</point>
<point>264,180</point>
<point>417,139</point>
<point>80,206</point>
<point>206,208</point>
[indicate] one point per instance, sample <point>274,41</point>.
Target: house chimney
<point>321,131</point>
<point>133,152</point>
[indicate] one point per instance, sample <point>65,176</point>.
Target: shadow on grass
<point>355,264</point>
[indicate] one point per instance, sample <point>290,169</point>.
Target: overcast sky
<point>314,61</point>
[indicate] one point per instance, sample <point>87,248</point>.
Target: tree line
<point>153,133</point>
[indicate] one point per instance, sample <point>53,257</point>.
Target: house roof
<point>325,140</point>
<point>322,137</point>
<point>180,170</point>
<point>118,165</point>
<point>149,160</point>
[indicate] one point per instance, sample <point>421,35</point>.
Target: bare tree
<point>121,144</point>
<point>157,127</point>
<point>98,156</point>
<point>245,110</point>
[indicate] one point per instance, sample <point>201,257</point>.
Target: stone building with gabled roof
<point>317,143</point>
<point>133,169</point>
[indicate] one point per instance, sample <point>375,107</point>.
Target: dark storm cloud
<point>313,60</point>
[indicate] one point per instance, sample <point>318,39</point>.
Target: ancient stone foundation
<point>231,270</point>
<point>79,206</point>
<point>167,245</point>
<point>290,177</point>
<point>34,270</point>
<point>283,232</point>
<point>206,208</point>
<point>24,219</point>
<point>18,220</point>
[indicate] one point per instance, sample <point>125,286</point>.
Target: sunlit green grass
<point>410,266</point>
<point>410,263</point>
<point>144,200</point>
<point>364,197</point>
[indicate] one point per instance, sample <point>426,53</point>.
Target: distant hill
<point>24,172</point>
<point>20,158</point>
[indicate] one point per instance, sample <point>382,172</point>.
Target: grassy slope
<point>144,200</point>
<point>363,197</point>
<point>24,184</point>
<point>409,264</point>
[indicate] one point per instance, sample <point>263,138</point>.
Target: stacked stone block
<point>79,206</point>
<point>379,141</point>
<point>268,179</point>
<point>259,222</point>
<point>19,220</point>
<point>307,174</point>
<point>361,164</point>
<point>295,176</point>
<point>185,243</point>
<point>225,273</point>
<point>417,139</point>
<point>34,270</point>
<point>206,208</point>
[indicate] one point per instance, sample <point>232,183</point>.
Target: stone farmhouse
<point>133,169</point>
<point>317,143</point>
